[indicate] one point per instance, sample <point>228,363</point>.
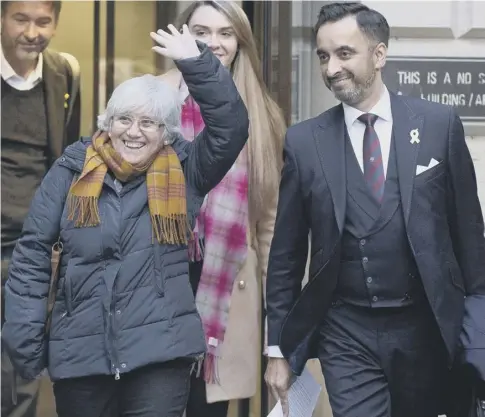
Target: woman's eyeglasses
<point>146,125</point>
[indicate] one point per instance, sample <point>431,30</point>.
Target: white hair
<point>146,95</point>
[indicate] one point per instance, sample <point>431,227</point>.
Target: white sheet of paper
<point>302,397</point>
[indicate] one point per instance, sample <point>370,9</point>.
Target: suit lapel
<point>404,121</point>
<point>55,86</point>
<point>330,143</point>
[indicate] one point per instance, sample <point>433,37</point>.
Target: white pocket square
<point>422,168</point>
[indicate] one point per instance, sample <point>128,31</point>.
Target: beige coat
<point>238,368</point>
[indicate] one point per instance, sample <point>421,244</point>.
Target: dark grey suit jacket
<point>57,76</point>
<point>443,218</point>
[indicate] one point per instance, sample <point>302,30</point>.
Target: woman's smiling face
<point>214,29</point>
<point>136,137</point>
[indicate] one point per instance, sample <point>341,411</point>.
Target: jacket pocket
<point>158,271</point>
<point>431,174</point>
<point>456,277</point>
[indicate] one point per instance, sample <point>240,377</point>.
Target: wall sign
<point>458,82</point>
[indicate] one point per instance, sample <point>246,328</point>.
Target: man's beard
<point>30,54</point>
<point>355,94</point>
<point>27,55</point>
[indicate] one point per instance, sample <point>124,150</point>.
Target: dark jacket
<point>58,81</point>
<point>442,215</point>
<point>122,301</point>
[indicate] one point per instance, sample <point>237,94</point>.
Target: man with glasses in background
<point>40,117</point>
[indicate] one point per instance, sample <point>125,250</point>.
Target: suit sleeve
<point>264,235</point>
<point>289,248</point>
<point>29,276</point>
<point>465,218</point>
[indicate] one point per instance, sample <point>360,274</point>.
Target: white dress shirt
<point>382,126</point>
<point>18,82</point>
<point>356,129</point>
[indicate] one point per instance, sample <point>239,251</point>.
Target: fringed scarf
<point>222,226</point>
<point>165,187</point>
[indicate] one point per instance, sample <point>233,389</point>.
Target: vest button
<point>363,242</point>
<point>374,298</point>
<point>365,259</point>
<point>369,280</point>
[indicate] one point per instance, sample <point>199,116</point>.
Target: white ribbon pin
<point>414,136</point>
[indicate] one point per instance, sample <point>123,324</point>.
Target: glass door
<point>111,41</point>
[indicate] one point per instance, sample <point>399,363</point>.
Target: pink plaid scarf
<point>222,226</point>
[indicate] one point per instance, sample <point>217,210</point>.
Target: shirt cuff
<point>274,352</point>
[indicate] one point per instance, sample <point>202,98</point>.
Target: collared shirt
<point>18,82</point>
<point>383,128</point>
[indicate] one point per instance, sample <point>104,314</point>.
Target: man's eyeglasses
<point>146,125</point>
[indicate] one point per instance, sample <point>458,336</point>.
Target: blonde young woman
<point>235,226</point>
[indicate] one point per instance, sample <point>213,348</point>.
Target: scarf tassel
<point>211,369</point>
<point>196,248</point>
<point>87,209</point>
<point>172,229</point>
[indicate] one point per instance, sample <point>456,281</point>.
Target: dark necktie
<point>373,166</point>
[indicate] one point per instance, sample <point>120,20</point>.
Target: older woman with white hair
<point>125,334</point>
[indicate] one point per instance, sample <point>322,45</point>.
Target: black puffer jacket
<point>122,301</point>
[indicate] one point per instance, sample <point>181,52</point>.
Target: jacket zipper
<point>114,353</point>
<point>67,294</point>
<point>112,322</point>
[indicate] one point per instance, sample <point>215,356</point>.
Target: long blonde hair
<point>267,125</point>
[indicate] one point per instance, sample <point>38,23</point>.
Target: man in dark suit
<point>40,116</point>
<point>387,188</point>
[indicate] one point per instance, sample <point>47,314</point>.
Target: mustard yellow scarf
<point>165,188</point>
